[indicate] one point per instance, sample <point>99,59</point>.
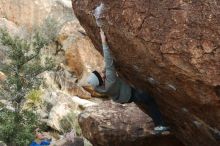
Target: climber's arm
<point>109,64</point>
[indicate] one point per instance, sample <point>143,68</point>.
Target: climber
<point>110,84</point>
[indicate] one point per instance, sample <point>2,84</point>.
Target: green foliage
<point>34,98</point>
<point>70,122</point>
<point>22,70</point>
<point>16,128</point>
<point>24,67</point>
<point>1,105</point>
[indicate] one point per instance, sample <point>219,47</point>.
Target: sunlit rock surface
<point>58,105</point>
<point>30,13</point>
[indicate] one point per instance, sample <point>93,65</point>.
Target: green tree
<point>16,129</point>
<point>22,70</point>
<point>24,59</point>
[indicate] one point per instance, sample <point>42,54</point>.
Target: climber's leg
<point>149,106</point>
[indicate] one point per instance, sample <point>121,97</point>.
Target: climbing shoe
<point>161,130</point>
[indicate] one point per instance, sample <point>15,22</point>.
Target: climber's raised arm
<point>110,71</point>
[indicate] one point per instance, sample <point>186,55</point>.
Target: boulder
<point>79,59</point>
<point>58,113</point>
<point>62,110</point>
<point>170,49</point>
<point>112,124</point>
<point>82,58</point>
<point>76,56</point>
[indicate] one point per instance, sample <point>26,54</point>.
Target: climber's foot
<point>161,130</point>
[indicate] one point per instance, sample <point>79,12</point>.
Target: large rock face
<point>170,48</point>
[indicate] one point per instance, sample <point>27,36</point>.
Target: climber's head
<point>95,79</point>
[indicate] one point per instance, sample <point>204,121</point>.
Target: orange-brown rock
<point>170,48</point>
<point>81,59</point>
<point>79,91</point>
<point>111,124</point>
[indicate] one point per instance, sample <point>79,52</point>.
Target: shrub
<point>22,70</point>
<point>16,128</point>
<point>34,97</point>
<point>25,65</point>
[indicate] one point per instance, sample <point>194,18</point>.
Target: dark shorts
<point>139,96</point>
